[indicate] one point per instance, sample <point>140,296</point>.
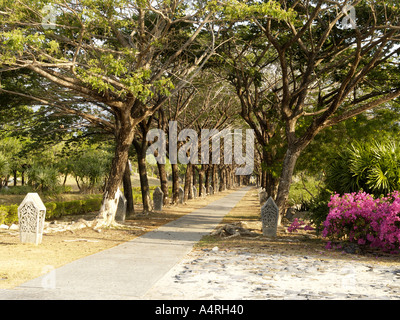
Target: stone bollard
<point>203,191</point>
<point>31,216</point>
<point>269,218</point>
<point>158,199</point>
<point>181,193</point>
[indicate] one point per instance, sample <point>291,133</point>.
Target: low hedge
<point>9,214</point>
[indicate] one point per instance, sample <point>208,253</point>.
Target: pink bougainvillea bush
<point>358,217</point>
<point>299,224</point>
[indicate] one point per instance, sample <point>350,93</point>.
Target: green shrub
<point>371,166</point>
<point>3,214</point>
<point>50,209</point>
<point>91,205</point>
<point>90,168</point>
<point>44,178</point>
<point>9,214</point>
<point>59,210</point>
<point>137,198</point>
<point>318,208</point>
<point>72,207</point>
<point>17,190</point>
<point>4,166</point>
<point>12,216</point>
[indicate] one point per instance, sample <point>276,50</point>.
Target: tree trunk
<point>65,179</point>
<point>163,181</point>
<point>270,183</point>
<point>124,138</point>
<point>15,177</point>
<point>194,169</point>
<point>77,183</point>
<point>285,181</point>
<point>228,178</point>
<point>127,183</point>
<point>188,182</point>
<point>214,177</point>
<point>221,180</point>
<point>144,182</point>
<point>201,179</point>
<point>175,183</point>
<point>264,178</point>
<point>207,180</point>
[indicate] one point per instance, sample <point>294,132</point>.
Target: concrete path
<point>129,270</point>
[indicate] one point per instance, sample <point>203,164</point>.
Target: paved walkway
<point>129,270</point>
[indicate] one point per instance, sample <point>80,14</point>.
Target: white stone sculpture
<point>31,216</point>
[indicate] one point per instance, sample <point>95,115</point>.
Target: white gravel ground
<point>235,275</point>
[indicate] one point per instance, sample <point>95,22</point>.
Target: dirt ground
<point>22,262</point>
<point>305,243</point>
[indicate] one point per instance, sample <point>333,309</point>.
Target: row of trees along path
<point>293,68</point>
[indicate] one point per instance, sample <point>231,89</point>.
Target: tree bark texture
<point>163,181</point>
<point>140,148</point>
<point>289,164</point>
<point>175,183</point>
<point>188,183</point>
<point>108,208</point>
<point>207,179</point>
<point>127,183</point>
<point>201,181</point>
<point>214,178</point>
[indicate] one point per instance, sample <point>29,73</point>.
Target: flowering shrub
<point>298,224</point>
<point>360,218</point>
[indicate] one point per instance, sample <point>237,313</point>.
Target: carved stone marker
<point>121,207</point>
<point>31,215</point>
<point>263,197</point>
<point>194,192</point>
<point>158,197</point>
<point>269,218</point>
<point>203,191</point>
<point>211,190</point>
<point>181,193</point>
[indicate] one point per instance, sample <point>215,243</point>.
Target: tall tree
<point>114,55</point>
<point>326,72</point>
<point>172,111</point>
<point>140,143</point>
<point>247,62</point>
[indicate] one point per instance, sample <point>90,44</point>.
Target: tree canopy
<point>296,67</point>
